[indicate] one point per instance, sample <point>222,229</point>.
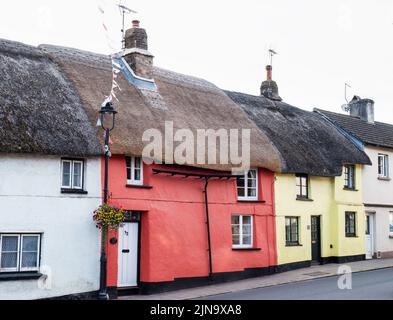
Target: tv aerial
<point>346,107</point>
<point>123,11</point>
<point>272,53</point>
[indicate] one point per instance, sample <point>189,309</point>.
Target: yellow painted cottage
<point>319,209</point>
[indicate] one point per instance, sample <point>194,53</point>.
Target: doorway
<point>316,239</point>
<point>128,255</point>
<point>370,242</point>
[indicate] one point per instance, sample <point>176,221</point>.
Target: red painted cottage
<point>188,224</point>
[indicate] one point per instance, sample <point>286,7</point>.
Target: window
<point>19,252</point>
<point>134,170</point>
<point>383,166</point>
<point>292,231</point>
<point>302,186</point>
<point>242,231</point>
<point>391,224</point>
<point>72,174</point>
<point>350,224</point>
<point>349,177</point>
<point>247,186</point>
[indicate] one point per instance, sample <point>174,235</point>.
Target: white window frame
<point>385,165</point>
<point>71,186</point>
<point>246,188</point>
<point>348,170</point>
<point>133,181</point>
<point>1,252</point>
<point>241,245</point>
<point>20,252</point>
<point>38,236</point>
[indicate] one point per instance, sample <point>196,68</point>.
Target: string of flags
<point>116,68</point>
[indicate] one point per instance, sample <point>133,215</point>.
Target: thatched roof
<point>308,143</point>
<point>50,100</point>
<point>40,112</point>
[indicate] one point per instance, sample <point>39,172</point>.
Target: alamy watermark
<point>345,277</point>
<point>203,147</point>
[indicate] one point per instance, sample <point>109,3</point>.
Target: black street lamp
<point>107,116</point>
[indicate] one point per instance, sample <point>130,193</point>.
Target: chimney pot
<point>269,71</point>
<point>135,23</point>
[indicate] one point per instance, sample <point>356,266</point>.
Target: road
<point>371,285</point>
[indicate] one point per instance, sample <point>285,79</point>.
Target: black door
<point>316,238</point>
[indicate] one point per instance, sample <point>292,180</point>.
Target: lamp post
<point>107,117</point>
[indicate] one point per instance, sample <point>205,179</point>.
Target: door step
<point>127,291</point>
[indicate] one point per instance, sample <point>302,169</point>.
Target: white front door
<point>128,255</point>
<point>369,236</point>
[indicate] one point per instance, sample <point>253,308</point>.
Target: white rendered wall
<point>379,192</point>
<point>31,201</point>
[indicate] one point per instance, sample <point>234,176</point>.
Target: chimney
<point>269,88</point>
<point>362,108</point>
<point>136,51</point>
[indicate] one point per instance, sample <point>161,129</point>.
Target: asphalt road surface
<point>371,285</point>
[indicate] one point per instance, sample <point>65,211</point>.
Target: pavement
<point>295,276</point>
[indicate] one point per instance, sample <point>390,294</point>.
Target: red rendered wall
<point>174,234</point>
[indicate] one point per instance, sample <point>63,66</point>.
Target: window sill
<point>289,245</point>
<point>20,276</point>
<point>73,191</point>
<point>251,201</point>
<point>351,189</point>
<point>351,237</point>
<point>135,186</point>
<point>304,199</point>
<point>246,249</point>
<point>384,179</point>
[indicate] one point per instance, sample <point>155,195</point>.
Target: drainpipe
<point>208,229</point>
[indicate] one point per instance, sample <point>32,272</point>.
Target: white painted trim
<point>18,253</point>
<point>73,174</point>
<point>136,50</point>
<point>244,246</point>
<point>385,160</point>
<point>246,197</point>
<point>72,168</point>
<point>62,174</point>
<point>38,252</point>
<point>133,181</point>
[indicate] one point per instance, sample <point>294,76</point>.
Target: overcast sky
<point>321,44</point>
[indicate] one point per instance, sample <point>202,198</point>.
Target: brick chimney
<point>362,108</point>
<point>269,88</point>
<point>136,51</point>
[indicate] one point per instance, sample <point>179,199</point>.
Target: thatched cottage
<point>189,222</point>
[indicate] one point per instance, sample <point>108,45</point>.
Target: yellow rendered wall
<point>329,201</point>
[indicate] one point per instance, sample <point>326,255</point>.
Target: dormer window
<point>72,171</point>
<point>302,186</point>
<point>134,171</point>
<point>247,186</point>
<point>349,177</point>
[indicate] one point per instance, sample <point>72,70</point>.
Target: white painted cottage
<point>50,181</point>
<point>377,140</point>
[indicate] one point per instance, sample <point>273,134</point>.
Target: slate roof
<point>376,134</point>
<point>308,143</point>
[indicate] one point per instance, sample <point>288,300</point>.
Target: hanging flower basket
<point>109,217</point>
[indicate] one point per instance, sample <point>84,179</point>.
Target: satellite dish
<point>346,107</point>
